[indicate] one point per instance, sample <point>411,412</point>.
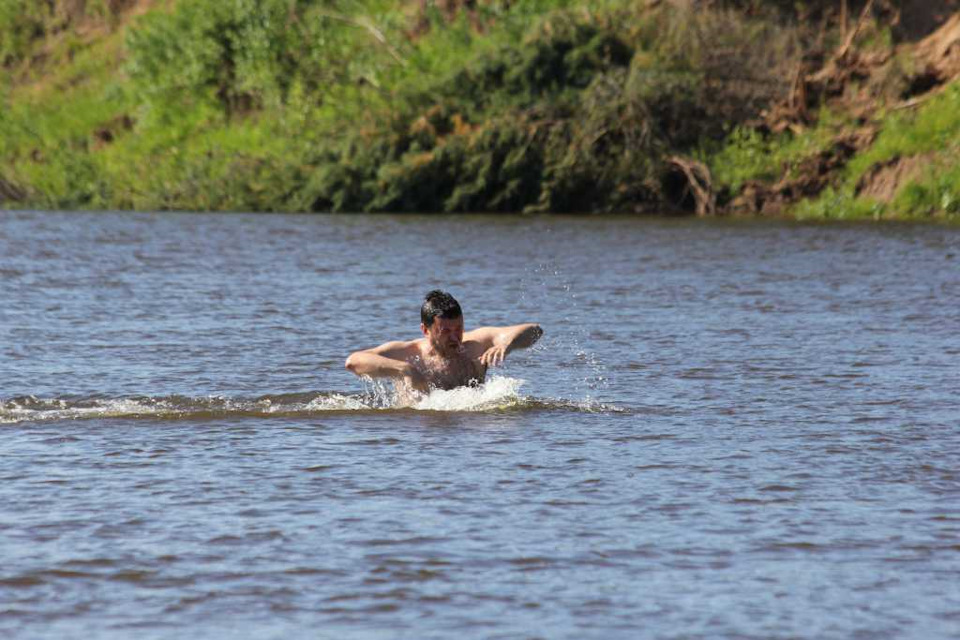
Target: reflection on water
<point>729,429</point>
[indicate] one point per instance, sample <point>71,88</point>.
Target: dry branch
<point>842,52</point>
<point>11,192</point>
<point>699,183</point>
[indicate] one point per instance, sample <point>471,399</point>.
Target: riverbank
<point>709,108</point>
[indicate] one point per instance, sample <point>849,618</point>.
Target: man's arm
<point>387,361</point>
<point>497,342</point>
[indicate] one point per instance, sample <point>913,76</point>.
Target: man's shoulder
<point>400,346</point>
<point>403,343</point>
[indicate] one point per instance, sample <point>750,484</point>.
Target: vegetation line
<point>678,107</point>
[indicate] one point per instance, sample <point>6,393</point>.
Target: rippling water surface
<point>743,430</point>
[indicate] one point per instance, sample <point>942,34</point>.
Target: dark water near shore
<point>745,430</point>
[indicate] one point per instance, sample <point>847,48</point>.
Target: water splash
<point>498,394</point>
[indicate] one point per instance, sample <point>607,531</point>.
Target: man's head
<point>441,321</point>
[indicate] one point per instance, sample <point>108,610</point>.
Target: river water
<point>729,429</point>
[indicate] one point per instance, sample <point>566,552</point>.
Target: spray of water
<point>577,369</point>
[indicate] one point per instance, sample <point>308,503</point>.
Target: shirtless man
<point>445,357</point>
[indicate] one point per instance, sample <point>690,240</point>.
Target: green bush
<point>607,154</point>
<point>556,121</point>
<point>244,55</point>
<point>746,155</point>
<point>561,52</point>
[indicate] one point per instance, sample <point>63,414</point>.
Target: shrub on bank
<point>575,116</point>
<point>932,133</point>
<point>507,132</point>
<point>536,105</point>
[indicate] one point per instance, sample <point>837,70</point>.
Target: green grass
<point>932,127</point>
<point>47,131</point>
<point>935,194</point>
<point>66,105</point>
<point>932,130</point>
<point>833,204</point>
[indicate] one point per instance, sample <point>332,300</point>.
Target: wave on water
<point>497,395</point>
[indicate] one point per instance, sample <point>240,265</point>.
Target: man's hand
<point>504,340</point>
<point>493,357</point>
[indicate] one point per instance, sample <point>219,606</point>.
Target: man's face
<point>445,335</point>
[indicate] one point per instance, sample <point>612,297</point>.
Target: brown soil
<point>856,83</point>
<point>10,192</point>
<point>883,180</point>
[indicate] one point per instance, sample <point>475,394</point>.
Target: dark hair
<point>439,303</point>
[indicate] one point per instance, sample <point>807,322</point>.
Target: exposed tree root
<point>854,82</point>
<point>10,192</point>
<point>699,184</point>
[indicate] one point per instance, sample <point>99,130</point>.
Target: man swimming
<point>445,357</point>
